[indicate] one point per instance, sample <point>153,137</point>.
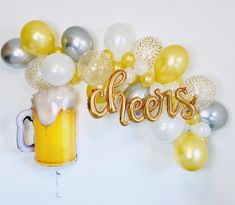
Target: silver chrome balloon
<point>76,41</point>
<point>215,115</point>
<point>136,90</point>
<point>14,55</point>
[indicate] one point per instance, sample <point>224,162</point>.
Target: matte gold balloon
<point>190,152</point>
<point>171,64</point>
<point>37,38</point>
<point>128,60</point>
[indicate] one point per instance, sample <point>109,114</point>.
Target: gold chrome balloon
<point>190,152</point>
<point>58,50</point>
<point>108,53</point>
<point>128,60</point>
<point>171,64</point>
<point>76,78</point>
<point>117,66</point>
<point>37,38</point>
<point>147,80</point>
<point>194,120</point>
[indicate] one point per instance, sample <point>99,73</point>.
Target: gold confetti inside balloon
<point>95,67</point>
<point>33,74</point>
<point>190,151</point>
<point>148,49</point>
<point>203,88</point>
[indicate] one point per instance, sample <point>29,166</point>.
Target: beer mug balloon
<point>53,114</point>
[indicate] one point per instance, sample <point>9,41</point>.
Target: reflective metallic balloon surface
<point>14,55</point>
<point>215,115</point>
<point>136,90</point>
<point>76,41</point>
<point>190,152</point>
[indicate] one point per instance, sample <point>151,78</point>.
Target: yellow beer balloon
<point>37,38</point>
<point>190,152</point>
<point>171,64</point>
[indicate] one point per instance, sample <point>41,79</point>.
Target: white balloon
<point>154,87</point>
<point>57,69</point>
<point>202,129</point>
<point>167,129</point>
<point>141,67</point>
<point>171,86</point>
<point>131,75</point>
<point>119,38</point>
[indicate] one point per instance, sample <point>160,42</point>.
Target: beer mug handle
<point>21,117</point>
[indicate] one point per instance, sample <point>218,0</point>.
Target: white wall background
<point>123,165</point>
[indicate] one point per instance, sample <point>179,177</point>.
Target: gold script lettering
<point>139,109</point>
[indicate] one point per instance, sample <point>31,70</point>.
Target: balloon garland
<point>139,78</point>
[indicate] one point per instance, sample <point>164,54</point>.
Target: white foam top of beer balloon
<point>49,102</point>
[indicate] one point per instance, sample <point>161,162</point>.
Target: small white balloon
<point>154,87</point>
<point>131,75</point>
<point>120,39</point>
<point>58,69</point>
<point>202,129</point>
<point>167,129</point>
<point>141,67</point>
